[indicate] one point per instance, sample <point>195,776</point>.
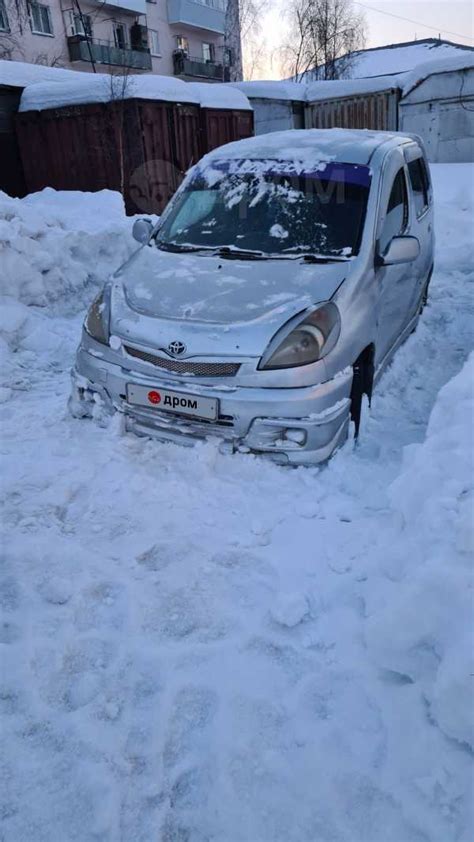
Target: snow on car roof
<point>308,146</point>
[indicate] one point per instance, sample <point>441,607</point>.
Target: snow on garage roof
<point>308,146</point>
<point>90,88</point>
<point>337,88</point>
<point>463,61</point>
<point>220,96</point>
<point>19,74</point>
<point>396,58</point>
<point>272,90</point>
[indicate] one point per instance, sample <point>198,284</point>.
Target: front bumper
<point>291,426</point>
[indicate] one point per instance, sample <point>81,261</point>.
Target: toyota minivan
<point>266,302</point>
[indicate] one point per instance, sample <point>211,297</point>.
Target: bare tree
<point>323,35</point>
<point>253,43</point>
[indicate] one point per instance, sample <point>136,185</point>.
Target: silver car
<point>279,281</point>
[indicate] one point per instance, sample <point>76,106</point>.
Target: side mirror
<point>400,250</point>
<point>142,231</point>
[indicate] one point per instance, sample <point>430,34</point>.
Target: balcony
<point>136,7</point>
<point>211,71</point>
<point>105,52</point>
<point>200,14</point>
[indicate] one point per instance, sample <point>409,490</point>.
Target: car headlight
<point>98,318</point>
<point>309,341</point>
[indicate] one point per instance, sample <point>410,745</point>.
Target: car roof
<point>310,146</point>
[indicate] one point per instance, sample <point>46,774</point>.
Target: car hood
<point>215,306</point>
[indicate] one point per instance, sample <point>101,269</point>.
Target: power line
<point>417,22</point>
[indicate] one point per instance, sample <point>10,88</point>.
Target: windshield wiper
<point>175,247</point>
<point>236,253</point>
<point>322,258</point>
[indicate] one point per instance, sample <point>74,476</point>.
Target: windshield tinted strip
<point>336,171</point>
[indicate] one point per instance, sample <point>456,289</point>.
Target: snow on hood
<point>211,298</point>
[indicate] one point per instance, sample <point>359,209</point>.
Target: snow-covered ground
<point>207,648</point>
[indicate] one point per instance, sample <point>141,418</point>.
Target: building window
<point>120,36</point>
<point>154,42</point>
<point>182,44</point>
<point>207,51</point>
<point>80,24</point>
<point>4,25</point>
<point>40,17</point>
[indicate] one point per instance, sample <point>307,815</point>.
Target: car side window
<point>419,184</point>
<point>396,219</point>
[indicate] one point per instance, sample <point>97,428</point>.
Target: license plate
<point>168,401</point>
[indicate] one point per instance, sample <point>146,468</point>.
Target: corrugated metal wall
<point>366,111</point>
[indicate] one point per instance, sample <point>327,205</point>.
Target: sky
<point>453,19</point>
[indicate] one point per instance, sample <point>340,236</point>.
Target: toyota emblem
<point>176,348</point>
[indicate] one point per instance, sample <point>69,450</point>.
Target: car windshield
<point>269,208</point>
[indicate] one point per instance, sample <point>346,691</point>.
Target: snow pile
<point>54,245</point>
<point>56,250</point>
<point>425,630</point>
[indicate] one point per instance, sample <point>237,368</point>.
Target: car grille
<point>186,366</point>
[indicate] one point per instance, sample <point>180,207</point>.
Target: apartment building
<point>183,38</point>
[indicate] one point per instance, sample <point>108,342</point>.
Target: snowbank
<point>426,629</point>
<point>55,245</point>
